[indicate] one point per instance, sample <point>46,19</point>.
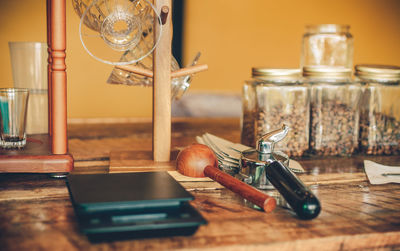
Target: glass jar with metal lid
<point>334,110</point>
<point>327,45</point>
<point>274,97</point>
<point>380,109</point>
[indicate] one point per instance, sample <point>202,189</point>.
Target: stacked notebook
<point>132,205</point>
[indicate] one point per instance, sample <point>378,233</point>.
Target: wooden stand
<point>36,157</point>
<point>48,153</point>
<point>162,158</point>
<point>162,85</point>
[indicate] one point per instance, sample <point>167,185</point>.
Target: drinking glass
<point>29,70</point>
<point>13,106</point>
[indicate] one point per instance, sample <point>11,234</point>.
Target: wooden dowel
<point>189,70</point>
<point>175,74</point>
<point>136,70</point>
<point>164,14</point>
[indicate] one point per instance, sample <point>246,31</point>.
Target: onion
<point>192,160</point>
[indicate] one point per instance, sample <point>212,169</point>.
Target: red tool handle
<point>248,192</point>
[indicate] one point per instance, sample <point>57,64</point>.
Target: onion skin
<point>192,160</point>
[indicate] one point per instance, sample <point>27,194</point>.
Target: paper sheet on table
<point>374,173</point>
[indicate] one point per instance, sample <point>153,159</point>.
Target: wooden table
<point>36,212</point>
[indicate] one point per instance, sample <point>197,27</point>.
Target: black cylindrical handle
<point>298,196</point>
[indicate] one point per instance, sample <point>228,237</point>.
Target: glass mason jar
<point>334,110</point>
<point>380,109</point>
<point>247,136</point>
<point>272,98</point>
<point>327,45</point>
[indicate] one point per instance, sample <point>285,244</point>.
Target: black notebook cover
<point>104,192</point>
<point>143,204</point>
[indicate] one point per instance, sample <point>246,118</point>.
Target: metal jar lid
<point>327,28</point>
<point>276,73</point>
<point>336,72</point>
<point>378,72</point>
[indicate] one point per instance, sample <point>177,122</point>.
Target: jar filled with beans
<point>274,97</point>
<point>334,110</point>
<point>380,109</point>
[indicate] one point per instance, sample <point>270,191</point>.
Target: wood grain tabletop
<point>36,212</point>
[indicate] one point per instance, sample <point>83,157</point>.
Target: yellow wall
<point>237,35</point>
<point>233,36</point>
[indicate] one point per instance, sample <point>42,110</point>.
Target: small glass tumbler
<point>13,107</point>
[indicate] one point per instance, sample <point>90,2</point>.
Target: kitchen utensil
<point>390,174</point>
<point>275,166</point>
<point>228,155</point>
<point>381,174</point>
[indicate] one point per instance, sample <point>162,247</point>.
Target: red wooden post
<point>58,79</point>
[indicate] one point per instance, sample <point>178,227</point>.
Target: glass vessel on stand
<point>127,28</point>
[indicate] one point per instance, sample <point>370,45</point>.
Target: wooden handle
<point>135,69</point>
<point>189,70</point>
<point>248,192</point>
<point>164,14</point>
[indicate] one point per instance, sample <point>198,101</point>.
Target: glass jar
<point>247,136</point>
<point>272,98</point>
<point>327,45</point>
<point>380,109</point>
<point>334,110</point>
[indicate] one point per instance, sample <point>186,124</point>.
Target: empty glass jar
<point>334,110</point>
<point>380,109</point>
<point>272,98</point>
<point>327,45</point>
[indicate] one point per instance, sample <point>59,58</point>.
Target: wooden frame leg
<point>58,77</point>
<point>162,87</point>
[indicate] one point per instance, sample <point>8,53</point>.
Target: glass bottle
<point>327,45</point>
<point>272,98</point>
<point>380,109</point>
<point>334,110</point>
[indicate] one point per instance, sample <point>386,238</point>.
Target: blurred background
<point>233,37</point>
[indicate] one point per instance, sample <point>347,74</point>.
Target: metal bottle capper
<point>264,166</point>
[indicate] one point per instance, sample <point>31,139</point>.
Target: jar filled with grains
<point>334,110</point>
<point>380,109</point>
<point>274,97</point>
